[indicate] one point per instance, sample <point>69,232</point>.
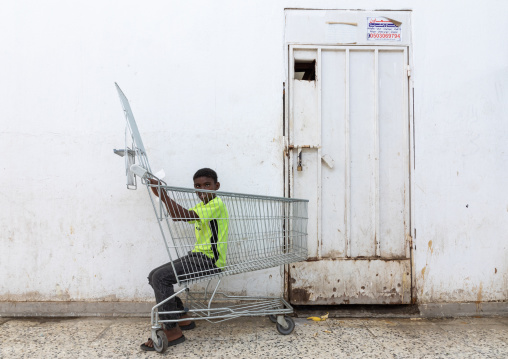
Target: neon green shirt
<point>212,230</point>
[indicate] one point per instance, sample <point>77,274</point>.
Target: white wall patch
<point>341,33</point>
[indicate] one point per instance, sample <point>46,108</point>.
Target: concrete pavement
<point>258,338</point>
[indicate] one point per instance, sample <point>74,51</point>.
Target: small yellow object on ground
<point>319,319</point>
<point>316,319</point>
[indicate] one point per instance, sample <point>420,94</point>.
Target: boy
<point>210,219</point>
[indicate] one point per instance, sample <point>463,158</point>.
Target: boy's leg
<point>191,266</point>
<point>162,279</point>
<point>196,265</point>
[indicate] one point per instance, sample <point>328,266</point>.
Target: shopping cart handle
<point>138,170</point>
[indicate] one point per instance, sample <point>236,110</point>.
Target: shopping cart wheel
<point>162,342</point>
<point>290,326</point>
<point>273,318</point>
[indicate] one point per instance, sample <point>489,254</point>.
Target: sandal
<point>190,326</point>
<point>148,348</point>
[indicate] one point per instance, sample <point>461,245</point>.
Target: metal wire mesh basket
<point>262,231</point>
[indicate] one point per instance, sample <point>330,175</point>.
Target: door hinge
<point>408,71</point>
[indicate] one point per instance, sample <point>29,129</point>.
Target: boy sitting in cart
<point>210,219</point>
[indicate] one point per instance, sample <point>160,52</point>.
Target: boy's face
<point>206,183</point>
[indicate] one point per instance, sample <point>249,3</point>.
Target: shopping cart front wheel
<point>287,327</point>
<point>161,344</point>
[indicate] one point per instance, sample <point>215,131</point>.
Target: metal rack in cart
<point>262,232</point>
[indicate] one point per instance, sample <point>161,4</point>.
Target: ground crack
<point>102,333</point>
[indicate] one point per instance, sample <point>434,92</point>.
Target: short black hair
<point>206,172</point>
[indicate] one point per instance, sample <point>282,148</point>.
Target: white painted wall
<point>461,121</point>
<point>206,91</point>
<point>205,84</point>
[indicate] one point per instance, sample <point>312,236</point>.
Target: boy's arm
<point>177,212</point>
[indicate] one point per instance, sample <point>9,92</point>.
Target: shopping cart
<point>262,232</point>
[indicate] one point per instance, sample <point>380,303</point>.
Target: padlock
<point>299,164</point>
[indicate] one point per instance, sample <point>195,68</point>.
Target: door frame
<point>288,170</point>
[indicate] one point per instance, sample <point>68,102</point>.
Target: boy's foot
<point>174,336</point>
<point>188,324</point>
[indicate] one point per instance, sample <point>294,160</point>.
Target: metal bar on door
<point>407,159</point>
<point>291,120</point>
<point>287,159</point>
<point>319,184</point>
<point>347,169</point>
<point>376,152</point>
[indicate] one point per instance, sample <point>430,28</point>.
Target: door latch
<point>299,166</point>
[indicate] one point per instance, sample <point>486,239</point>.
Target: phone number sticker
<point>382,29</point>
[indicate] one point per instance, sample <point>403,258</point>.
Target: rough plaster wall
<point>461,121</point>
<point>205,84</point>
<point>204,92</point>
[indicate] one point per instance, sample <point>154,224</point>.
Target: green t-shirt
<point>212,230</point>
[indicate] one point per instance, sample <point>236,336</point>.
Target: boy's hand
<point>177,212</point>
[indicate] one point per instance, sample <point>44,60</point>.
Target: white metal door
<point>348,146</point>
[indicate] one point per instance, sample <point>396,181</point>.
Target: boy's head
<point>206,178</point>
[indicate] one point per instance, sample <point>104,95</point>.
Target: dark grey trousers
<point>163,278</point>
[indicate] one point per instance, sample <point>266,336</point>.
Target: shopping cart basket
<point>262,232</point>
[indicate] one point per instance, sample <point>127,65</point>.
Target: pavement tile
<point>466,356</point>
<point>415,324</point>
<point>404,343</point>
<point>407,331</point>
<point>341,341</point>
<point>347,348</point>
<point>259,338</point>
<point>349,332</point>
<point>502,320</point>
<point>272,334</point>
<point>217,349</point>
<point>344,322</point>
<point>227,334</point>
<point>477,332</point>
<point>467,322</point>
<point>276,349</point>
<point>3,320</point>
<point>490,346</point>
<point>26,337</point>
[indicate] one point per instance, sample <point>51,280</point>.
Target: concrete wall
<point>461,136</point>
<point>205,84</point>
